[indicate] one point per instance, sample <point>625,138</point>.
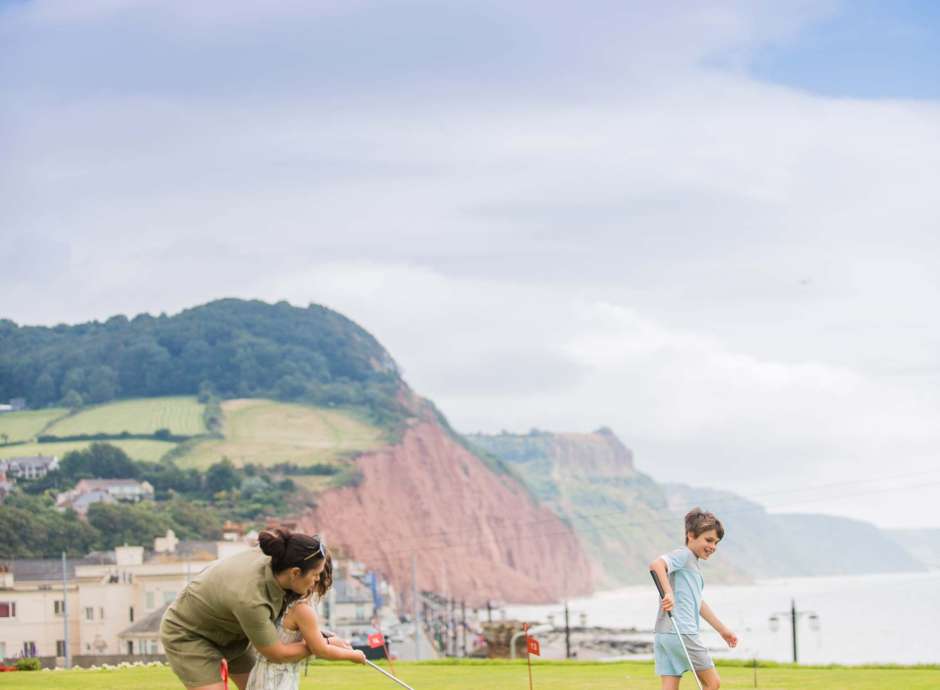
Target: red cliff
<point>477,535</point>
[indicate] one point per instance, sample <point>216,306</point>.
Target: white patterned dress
<point>268,675</point>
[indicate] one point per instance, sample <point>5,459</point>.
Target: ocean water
<point>891,618</point>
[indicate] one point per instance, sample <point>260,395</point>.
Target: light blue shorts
<point>670,659</point>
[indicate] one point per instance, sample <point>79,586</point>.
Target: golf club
<point>662,595</point>
<point>386,673</point>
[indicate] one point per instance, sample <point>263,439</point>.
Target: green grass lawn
<point>26,424</point>
<point>507,676</point>
<point>181,415</point>
<point>139,449</point>
<point>265,432</point>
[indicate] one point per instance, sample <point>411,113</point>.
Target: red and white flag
<point>376,640</point>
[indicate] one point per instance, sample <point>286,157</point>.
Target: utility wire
<point>504,540</point>
<point>502,519</point>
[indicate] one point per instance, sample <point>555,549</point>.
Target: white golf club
<point>662,595</point>
<point>386,673</point>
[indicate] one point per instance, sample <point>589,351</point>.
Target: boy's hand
<point>730,638</point>
<point>669,601</point>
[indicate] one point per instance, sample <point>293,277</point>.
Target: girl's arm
<point>306,619</point>
<point>281,653</point>
<point>713,621</point>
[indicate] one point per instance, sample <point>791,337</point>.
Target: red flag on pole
<point>528,650</point>
<point>532,647</point>
<point>376,640</point>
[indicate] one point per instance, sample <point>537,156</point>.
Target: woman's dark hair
<point>297,550</point>
<point>698,521</point>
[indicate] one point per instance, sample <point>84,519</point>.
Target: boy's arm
<point>658,566</point>
<point>720,627</point>
<point>306,619</point>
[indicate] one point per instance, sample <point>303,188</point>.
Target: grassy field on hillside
<point>265,432</point>
<point>26,424</point>
<point>181,415</point>
<point>504,676</point>
<point>138,449</point>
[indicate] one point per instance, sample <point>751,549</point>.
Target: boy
<point>682,580</point>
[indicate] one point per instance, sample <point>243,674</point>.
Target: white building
<point>29,467</point>
<point>89,491</point>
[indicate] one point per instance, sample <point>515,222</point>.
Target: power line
<point>502,519</point>
<point>599,528</point>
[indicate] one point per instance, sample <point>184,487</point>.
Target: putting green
<point>503,675</point>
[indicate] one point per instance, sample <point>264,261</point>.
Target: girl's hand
<point>338,642</point>
<point>668,602</point>
<point>730,638</point>
<point>359,657</point>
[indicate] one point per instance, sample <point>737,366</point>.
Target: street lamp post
<point>794,616</point>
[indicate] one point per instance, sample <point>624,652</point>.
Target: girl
<point>681,577</point>
<point>299,623</point>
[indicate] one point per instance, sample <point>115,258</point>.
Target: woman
<point>234,604</point>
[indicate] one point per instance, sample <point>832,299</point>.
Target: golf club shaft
<point>662,595</point>
<point>386,673</point>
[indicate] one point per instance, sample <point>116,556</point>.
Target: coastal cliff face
<point>625,519</point>
<point>476,534</point>
<point>621,516</point>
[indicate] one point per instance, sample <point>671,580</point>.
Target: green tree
<point>134,524</point>
<point>73,400</point>
<point>222,476</point>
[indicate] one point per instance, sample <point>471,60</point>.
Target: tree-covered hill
<point>229,348</point>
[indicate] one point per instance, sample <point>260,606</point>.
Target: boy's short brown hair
<point>698,521</point>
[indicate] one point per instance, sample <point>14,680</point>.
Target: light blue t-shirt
<point>687,583</point>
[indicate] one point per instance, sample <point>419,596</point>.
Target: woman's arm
<point>713,621</point>
<point>306,619</point>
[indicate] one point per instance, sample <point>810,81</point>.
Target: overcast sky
<point>712,227</point>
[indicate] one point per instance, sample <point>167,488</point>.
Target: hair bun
<point>273,543</point>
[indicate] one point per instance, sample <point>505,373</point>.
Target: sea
<point>864,619</point>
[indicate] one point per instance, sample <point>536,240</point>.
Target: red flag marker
<point>376,640</point>
<point>528,650</point>
<point>533,647</point>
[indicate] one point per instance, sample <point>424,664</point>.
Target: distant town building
<point>29,466</point>
<point>6,485</point>
<point>6,408</point>
<point>232,531</point>
<point>90,491</point>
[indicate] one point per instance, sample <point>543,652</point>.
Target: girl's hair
<point>698,521</point>
<point>297,550</point>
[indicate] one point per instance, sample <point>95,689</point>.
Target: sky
<point>710,226</point>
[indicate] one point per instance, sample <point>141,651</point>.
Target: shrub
<point>30,663</point>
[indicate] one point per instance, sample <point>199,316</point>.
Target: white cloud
<point>731,274</point>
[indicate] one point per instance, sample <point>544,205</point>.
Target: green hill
<point>267,433</point>
<point>229,348</point>
<point>179,415</point>
<point>139,449</point>
<point>27,424</point>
